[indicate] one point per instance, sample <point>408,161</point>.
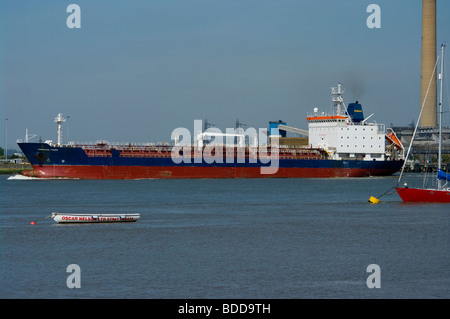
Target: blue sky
<point>136,70</point>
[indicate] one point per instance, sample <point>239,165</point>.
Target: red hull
<point>423,195</point>
<point>142,172</point>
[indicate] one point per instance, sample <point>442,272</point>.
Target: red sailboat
<point>440,193</point>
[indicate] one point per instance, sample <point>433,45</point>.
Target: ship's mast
<point>337,98</point>
<point>59,120</point>
<point>441,75</point>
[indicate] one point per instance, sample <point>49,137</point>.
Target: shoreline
<point>7,169</point>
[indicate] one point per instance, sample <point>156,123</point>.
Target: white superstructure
<point>344,134</point>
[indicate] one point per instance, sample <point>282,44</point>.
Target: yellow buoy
<point>373,200</point>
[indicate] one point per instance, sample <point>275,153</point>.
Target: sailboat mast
<point>441,75</point>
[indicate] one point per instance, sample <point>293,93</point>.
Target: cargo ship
<point>341,143</point>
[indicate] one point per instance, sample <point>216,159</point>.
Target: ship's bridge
<point>345,133</point>
<point>343,138</point>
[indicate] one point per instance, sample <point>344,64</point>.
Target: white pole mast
<point>441,76</point>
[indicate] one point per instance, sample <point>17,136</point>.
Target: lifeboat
<point>94,218</point>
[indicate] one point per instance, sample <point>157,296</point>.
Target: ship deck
<point>165,151</point>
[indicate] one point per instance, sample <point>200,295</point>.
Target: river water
<point>223,238</point>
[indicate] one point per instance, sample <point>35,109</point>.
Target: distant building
<point>426,141</point>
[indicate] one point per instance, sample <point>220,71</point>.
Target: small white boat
<point>94,218</point>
